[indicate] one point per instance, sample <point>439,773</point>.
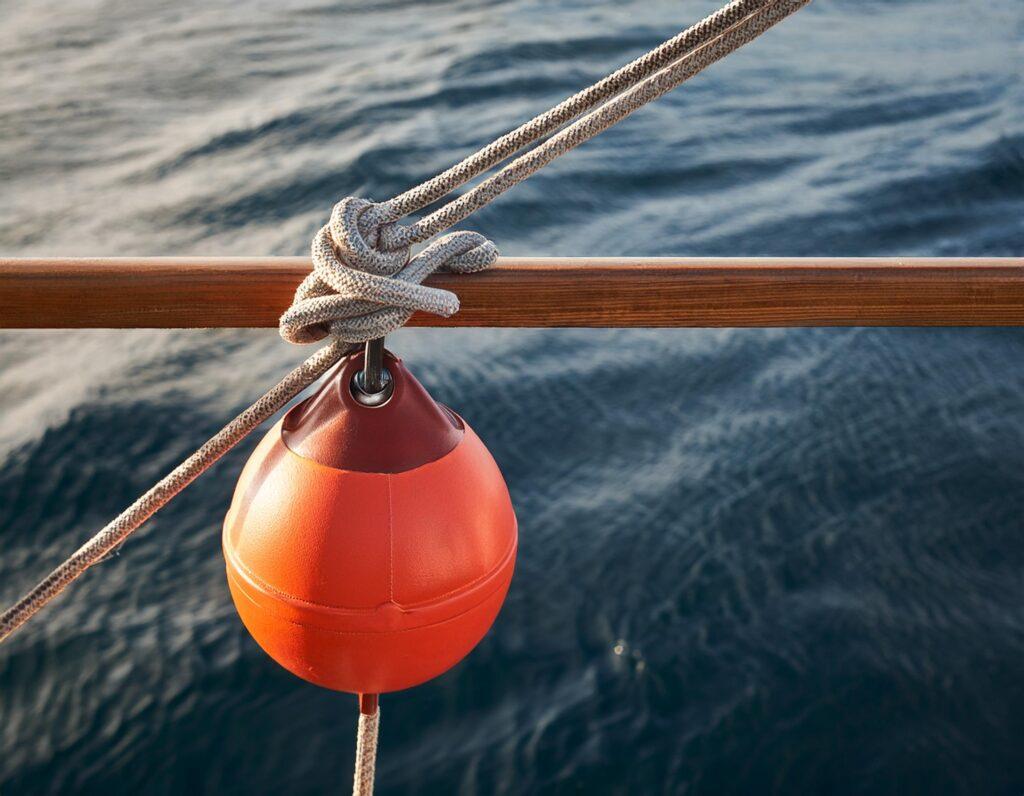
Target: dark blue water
<point>759,561</point>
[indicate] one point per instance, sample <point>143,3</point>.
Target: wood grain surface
<point>188,292</point>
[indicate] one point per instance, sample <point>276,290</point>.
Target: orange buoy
<point>369,548</point>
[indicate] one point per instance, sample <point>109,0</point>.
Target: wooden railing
<point>610,292</point>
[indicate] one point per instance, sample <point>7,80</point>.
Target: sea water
<point>751,561</point>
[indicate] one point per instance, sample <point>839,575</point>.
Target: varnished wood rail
<point>176,292</point>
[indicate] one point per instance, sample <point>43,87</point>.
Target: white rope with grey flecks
<point>364,283</point>
<point>366,752</point>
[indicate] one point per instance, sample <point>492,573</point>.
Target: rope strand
<point>536,128</point>
<point>725,41</point>
<point>363,285</point>
<point>171,485</point>
<point>366,753</point>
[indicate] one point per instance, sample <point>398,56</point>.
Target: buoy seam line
<point>366,753</point>
<point>461,591</point>
<point>364,284</point>
<point>391,544</point>
<point>320,629</point>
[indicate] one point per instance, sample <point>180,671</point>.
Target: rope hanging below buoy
<point>366,745</point>
<point>364,284</point>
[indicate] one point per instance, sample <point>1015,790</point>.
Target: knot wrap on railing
<point>359,290</point>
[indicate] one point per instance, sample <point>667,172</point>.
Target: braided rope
<point>170,485</point>
<point>536,128</point>
<point>597,121</point>
<point>357,292</point>
<point>364,285</point>
<point>366,753</point>
<point>649,77</point>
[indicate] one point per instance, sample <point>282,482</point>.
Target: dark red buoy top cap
<point>332,428</point>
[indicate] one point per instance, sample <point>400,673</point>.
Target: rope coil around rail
<point>366,752</point>
<point>365,285</point>
<point>357,292</point>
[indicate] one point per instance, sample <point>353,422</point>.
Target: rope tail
<point>366,745</point>
<point>170,485</point>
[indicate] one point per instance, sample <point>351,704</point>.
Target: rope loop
<point>360,290</point>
